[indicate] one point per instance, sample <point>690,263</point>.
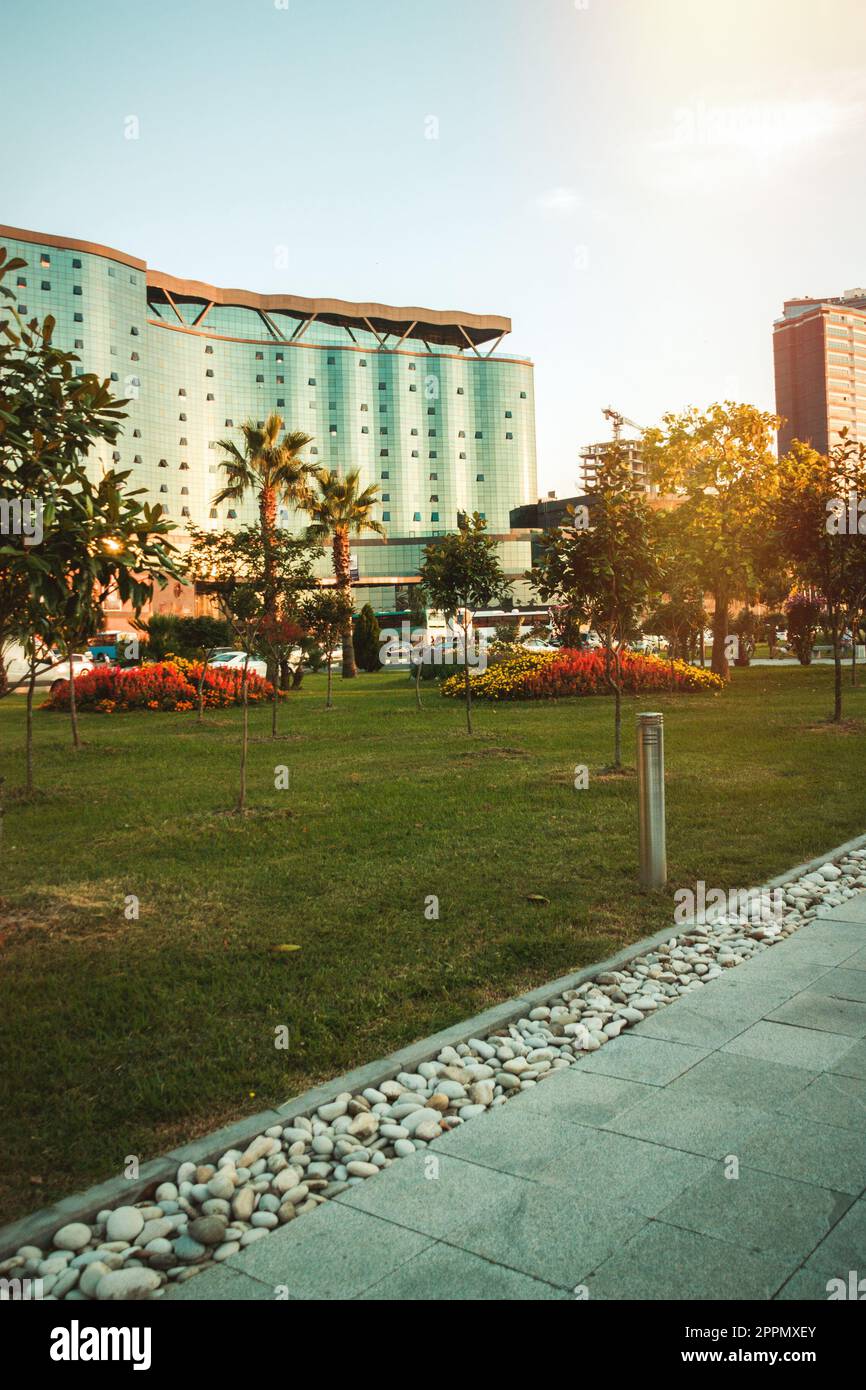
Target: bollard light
<point>651,800</point>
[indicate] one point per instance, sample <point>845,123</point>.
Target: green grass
<point>126,1037</point>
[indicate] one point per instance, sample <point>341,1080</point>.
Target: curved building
<point>418,400</point>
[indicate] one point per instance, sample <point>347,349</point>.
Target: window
<point>461,456</point>
<point>280,356</point>
<point>229,422</point>
<point>76,263</point>
<point>433,477</point>
<point>460,391</point>
<point>431,410</point>
<point>163,463</point>
<point>432,454</point>
<point>386,497</point>
<point>386,516</point>
<point>411,367</point>
<point>136,434</point>
<point>133,332</point>
<point>213,512</point>
<point>332,429</point>
<point>114,377</point>
<point>383,385</point>
<point>116,456</point>
<point>479,477</point>
<point>281,400</point>
<point>332,405</point>
<point>385,474</point>
<point>331,361</point>
<point>461,434</point>
<point>434,497</point>
<point>431,434</point>
<point>416,516</point>
<point>508,414</point>
<point>209,371</point>
<point>184,492</point>
<point>44,259</point>
<point>383,453</point>
<point>314,449</point>
<point>76,289</point>
<point>76,318</point>
<point>21,282</point>
<point>479,434</point>
<point>163,487</point>
<point>362,361</point>
<point>46,285</point>
<point>383,429</point>
<point>184,468</point>
<point>311,381</point>
<point>434,516</point>
<point>231,514</point>
<point>209,349</point>
<point>523,395</point>
<point>137,459</point>
<point>364,407</point>
<point>281,381</point>
<point>181,416</point>
<point>412,386</point>
<point>365,429</point>
<point>133,357</point>
<point>182,439</point>
<point>79,342</point>
<point>181,392</point>
<point>259,378</point>
<point>112,272</point>
<point>260,357</point>
<point>415,453</point>
<point>508,434</point>
<point>413,431</point>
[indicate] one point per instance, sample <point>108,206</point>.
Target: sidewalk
<point>610,1180</point>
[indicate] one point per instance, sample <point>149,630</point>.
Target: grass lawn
<point>126,1037</point>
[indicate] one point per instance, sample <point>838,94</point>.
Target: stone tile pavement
<point>613,1178</point>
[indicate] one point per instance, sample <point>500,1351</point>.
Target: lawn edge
<point>39,1226</point>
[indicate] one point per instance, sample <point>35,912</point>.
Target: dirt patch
<point>843,727</point>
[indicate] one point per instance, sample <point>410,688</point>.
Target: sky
<point>638,184</point>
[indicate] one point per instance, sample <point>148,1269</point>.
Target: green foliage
<point>462,570</point>
<point>187,637</point>
<point>367,639</point>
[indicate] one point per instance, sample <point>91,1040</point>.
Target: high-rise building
<point>819,350</point>
<point>417,399</point>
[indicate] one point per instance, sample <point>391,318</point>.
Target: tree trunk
<point>617,733</point>
<point>467,684</point>
<point>719,663</point>
<point>274,704</point>
<point>329,704</point>
<point>73,709</point>
<point>31,685</point>
<point>418,684</point>
<point>297,676</point>
<point>837,670</point>
<point>242,794</point>
<point>343,573</point>
<point>268,521</point>
<point>208,654</point>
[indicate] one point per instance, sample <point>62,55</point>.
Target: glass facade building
<point>418,400</point>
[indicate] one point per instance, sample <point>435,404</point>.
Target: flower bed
<point>548,675</point>
<point>162,686</point>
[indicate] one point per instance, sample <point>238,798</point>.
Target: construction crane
<point>617,419</point>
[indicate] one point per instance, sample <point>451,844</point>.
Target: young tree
<point>722,462</point>
<point>817,527</point>
<point>280,639</point>
<point>461,573</point>
<point>95,538</point>
<point>341,509</point>
<point>604,572</point>
<point>366,639</point>
<point>325,614</point>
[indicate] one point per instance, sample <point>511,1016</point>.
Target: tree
<point>722,463</point>
<point>461,573</point>
<point>816,525</point>
<point>95,538</point>
<point>325,614</point>
<point>341,509</point>
<point>271,469</point>
<point>604,572</point>
<point>366,640</point>
<point>803,614</point>
<point>280,639</point>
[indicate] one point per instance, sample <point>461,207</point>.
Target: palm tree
<point>270,468</point>
<point>339,510</point>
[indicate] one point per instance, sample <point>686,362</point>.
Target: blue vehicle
<point>114,648</point>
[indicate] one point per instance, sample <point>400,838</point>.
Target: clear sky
<point>637,183</point>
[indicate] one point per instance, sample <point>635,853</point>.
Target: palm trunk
<point>242,794</point>
<point>73,709</point>
<point>31,686</point>
<point>268,520</point>
<point>719,663</point>
<point>343,574</point>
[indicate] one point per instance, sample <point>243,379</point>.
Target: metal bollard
<point>651,800</point>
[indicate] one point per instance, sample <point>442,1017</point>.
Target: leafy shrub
<point>550,675</point>
<point>167,685</point>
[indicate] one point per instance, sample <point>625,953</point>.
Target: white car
<point>234,661</point>
<point>537,644</point>
<point>51,670</point>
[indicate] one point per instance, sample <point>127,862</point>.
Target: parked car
<point>537,644</point>
<point>51,670</point>
<point>234,661</point>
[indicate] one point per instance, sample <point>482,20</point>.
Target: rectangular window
<point>76,289</point>
<point>76,263</point>
<point>386,516</point>
<point>434,516</point>
<point>46,284</point>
